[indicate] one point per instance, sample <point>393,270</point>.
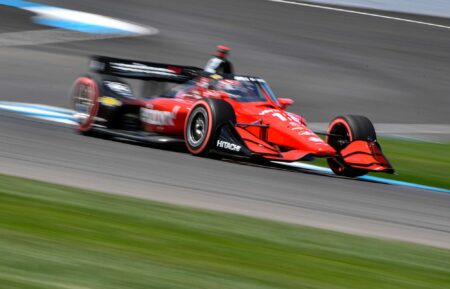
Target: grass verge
<point>60,237</point>
<point>415,161</point>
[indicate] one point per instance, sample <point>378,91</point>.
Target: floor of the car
<point>140,136</point>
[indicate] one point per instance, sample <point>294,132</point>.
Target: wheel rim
<point>339,137</point>
<point>198,127</point>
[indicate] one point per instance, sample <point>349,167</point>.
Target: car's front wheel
<point>203,124</point>
<point>343,130</point>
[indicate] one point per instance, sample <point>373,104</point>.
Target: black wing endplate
<point>143,70</point>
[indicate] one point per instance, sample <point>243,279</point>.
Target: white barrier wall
<point>439,8</point>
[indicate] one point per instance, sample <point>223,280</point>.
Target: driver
<point>219,63</point>
<point>231,87</point>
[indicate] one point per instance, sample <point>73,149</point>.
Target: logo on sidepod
<point>228,146</point>
<point>158,117</point>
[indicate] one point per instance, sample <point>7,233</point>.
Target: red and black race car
<point>210,114</point>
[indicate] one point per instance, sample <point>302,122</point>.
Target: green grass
<point>419,162</point>
<point>415,161</point>
<point>59,237</point>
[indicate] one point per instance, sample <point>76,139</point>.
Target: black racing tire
<point>343,130</point>
<point>95,83</point>
<point>203,124</point>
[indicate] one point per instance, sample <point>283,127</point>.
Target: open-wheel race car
<point>230,115</point>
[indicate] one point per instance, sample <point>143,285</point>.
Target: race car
<point>234,116</point>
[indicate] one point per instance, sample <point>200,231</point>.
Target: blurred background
<point>329,62</point>
<point>387,61</point>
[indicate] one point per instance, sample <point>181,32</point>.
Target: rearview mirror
<point>285,102</point>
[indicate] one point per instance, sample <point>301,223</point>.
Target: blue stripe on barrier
<point>78,26</point>
<point>315,168</point>
<point>37,107</point>
<point>20,4</point>
<point>60,22</point>
<point>36,110</point>
<point>404,184</point>
<point>36,114</point>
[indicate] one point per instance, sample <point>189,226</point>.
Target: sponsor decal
<point>142,68</point>
<point>119,87</point>
<point>110,101</point>
<point>275,113</point>
<point>284,116</point>
<point>247,78</point>
<point>267,111</point>
<point>306,132</point>
<point>294,117</point>
<point>216,76</point>
<point>228,146</point>
<point>280,116</point>
<point>158,117</point>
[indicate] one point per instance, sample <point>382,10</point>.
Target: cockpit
<point>241,89</point>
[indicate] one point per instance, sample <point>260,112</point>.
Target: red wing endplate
<point>366,155</point>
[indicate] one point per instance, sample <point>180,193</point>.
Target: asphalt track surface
<point>330,62</point>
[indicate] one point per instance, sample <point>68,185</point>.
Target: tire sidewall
<point>340,121</point>
<point>358,128</point>
<point>219,113</point>
<point>94,94</point>
<point>206,140</point>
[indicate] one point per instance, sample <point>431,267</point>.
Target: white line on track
<point>361,13</point>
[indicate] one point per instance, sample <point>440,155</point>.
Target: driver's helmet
<point>222,51</point>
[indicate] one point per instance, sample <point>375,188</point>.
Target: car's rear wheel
<point>203,124</point>
<point>343,130</point>
<point>85,95</point>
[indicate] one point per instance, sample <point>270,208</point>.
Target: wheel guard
<point>236,141</point>
<point>229,142</point>
<point>366,155</point>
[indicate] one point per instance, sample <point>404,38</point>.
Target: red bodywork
<point>266,128</point>
<point>260,125</point>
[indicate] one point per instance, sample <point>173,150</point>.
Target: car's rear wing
<point>143,70</point>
